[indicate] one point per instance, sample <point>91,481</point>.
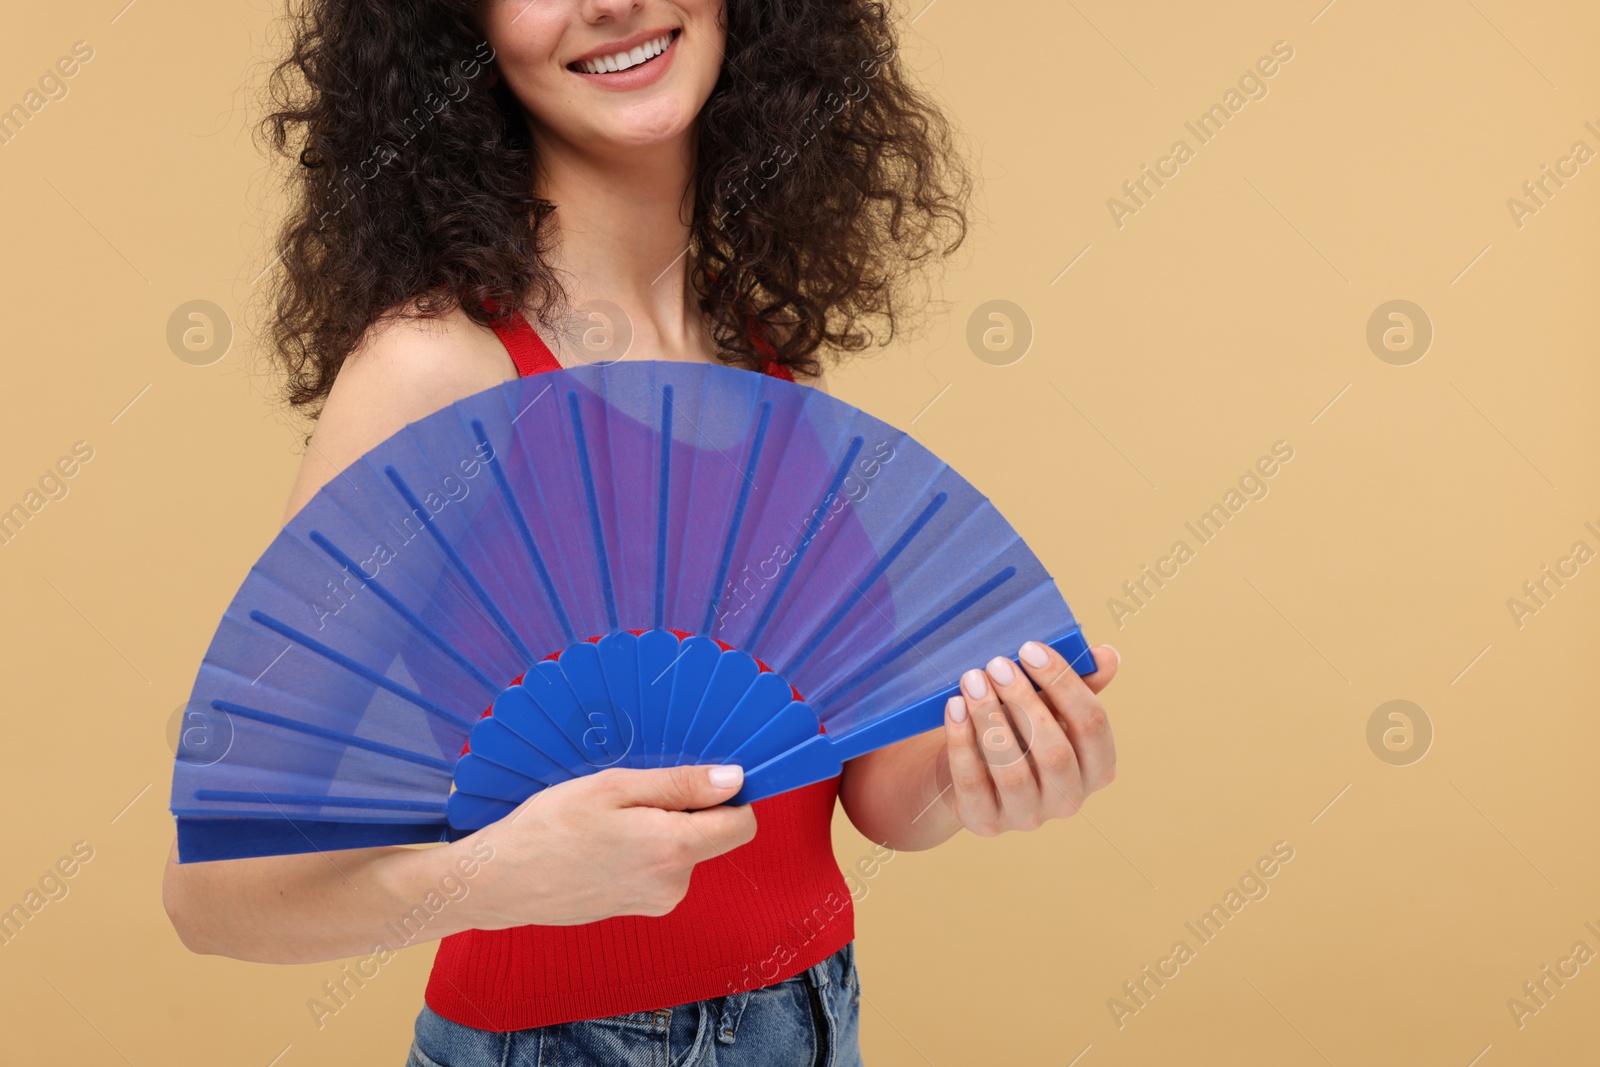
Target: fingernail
<point>976,685</point>
<point>1034,655</point>
<point>1115,653</point>
<point>727,776</point>
<point>1000,670</point>
<point>957,709</point>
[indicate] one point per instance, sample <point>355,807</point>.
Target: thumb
<point>687,788</point>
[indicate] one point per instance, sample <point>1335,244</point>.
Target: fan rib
<point>366,673</point>
<point>592,499</point>
<point>351,740</point>
<point>619,653</point>
<point>808,535</point>
<point>350,565</point>
<point>310,800</point>
<point>459,564</point>
<point>583,670</point>
<point>526,534</point>
<point>662,505</point>
<point>859,590</point>
<point>657,648</point>
<point>737,520</point>
<point>905,646</point>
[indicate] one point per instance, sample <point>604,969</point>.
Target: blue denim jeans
<point>809,1020</point>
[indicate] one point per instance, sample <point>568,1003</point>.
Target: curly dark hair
<point>824,179</point>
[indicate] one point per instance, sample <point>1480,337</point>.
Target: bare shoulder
<point>818,381</point>
<point>406,367</point>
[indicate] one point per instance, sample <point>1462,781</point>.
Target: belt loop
<point>728,1018</point>
<point>822,973</point>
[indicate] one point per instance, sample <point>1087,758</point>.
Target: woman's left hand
<point>1016,757</point>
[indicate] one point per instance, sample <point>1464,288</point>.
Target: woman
<point>747,181</point>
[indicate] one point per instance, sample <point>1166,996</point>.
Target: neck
<point>621,232</point>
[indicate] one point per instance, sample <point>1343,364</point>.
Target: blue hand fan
<point>636,564</point>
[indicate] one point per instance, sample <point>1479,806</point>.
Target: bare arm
<point>286,909</point>
<point>306,909</point>
<point>619,842</point>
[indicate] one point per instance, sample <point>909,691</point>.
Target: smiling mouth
<point>636,57</point>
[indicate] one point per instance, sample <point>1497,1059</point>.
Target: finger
<point>1055,763</point>
<point>999,744</point>
<point>1106,661</point>
<point>686,788</point>
<point>717,830</point>
<point>1080,710</point>
<point>969,775</point>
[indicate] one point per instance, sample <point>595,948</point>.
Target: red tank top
<point>752,917</point>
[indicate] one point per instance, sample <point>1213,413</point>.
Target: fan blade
<point>729,682</point>
<point>790,727</point>
<point>765,697</point>
<point>658,649</point>
<point>810,761</point>
<point>506,738</point>
<point>619,656</point>
<point>470,812</point>
<point>697,659</point>
<point>476,773</point>
<point>561,728</point>
<point>207,838</point>
<point>607,733</point>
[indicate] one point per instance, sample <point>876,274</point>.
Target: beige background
<point>1229,313</point>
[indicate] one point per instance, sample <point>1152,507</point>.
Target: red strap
<point>528,350</point>
<point>758,337</point>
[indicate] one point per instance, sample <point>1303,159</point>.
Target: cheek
<point>706,21</point>
<point>709,63</point>
<point>525,49</point>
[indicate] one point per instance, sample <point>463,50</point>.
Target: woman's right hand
<point>617,842</point>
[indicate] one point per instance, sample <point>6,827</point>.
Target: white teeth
<point>624,60</point>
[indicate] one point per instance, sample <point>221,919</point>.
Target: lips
<point>636,51</point>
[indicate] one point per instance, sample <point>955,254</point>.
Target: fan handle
<point>823,756</point>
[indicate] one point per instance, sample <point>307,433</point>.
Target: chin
<point>644,131</point>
